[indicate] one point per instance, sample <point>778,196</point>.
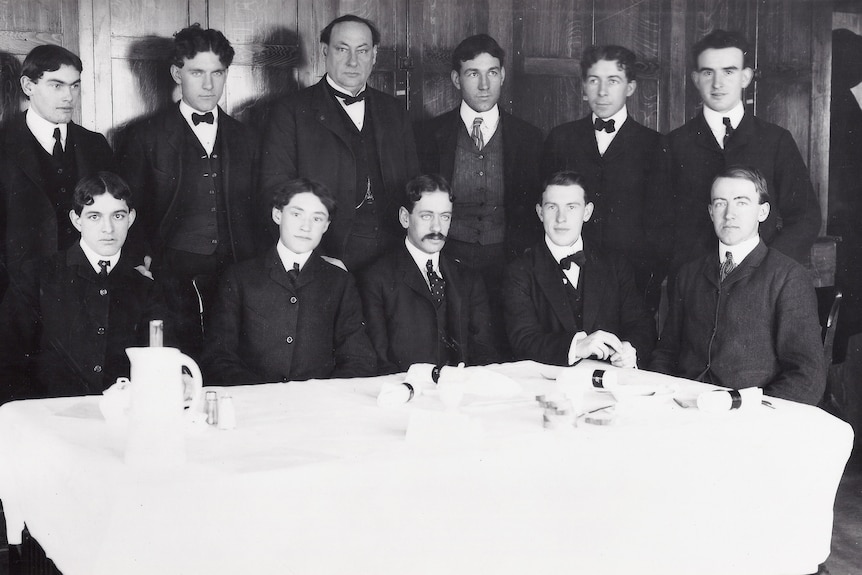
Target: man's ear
<point>404,217</point>
<point>276,215</point>
<point>539,212</point>
<point>588,211</point>
<point>175,74</point>
<point>764,212</point>
<point>132,216</point>
<point>630,89</point>
<point>456,78</point>
<point>27,85</point>
<point>75,219</point>
<point>747,76</point>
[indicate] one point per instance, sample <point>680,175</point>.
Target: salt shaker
<point>226,413</point>
<point>212,407</point>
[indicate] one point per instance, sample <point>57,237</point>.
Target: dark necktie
<point>103,273</point>
<point>207,118</point>
<point>578,258</point>
<point>604,125</point>
<point>727,266</point>
<point>293,274</point>
<point>58,146</point>
<point>438,284</point>
<point>348,99</point>
<point>478,139</point>
<point>728,130</point>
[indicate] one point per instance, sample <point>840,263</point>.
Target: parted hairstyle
<point>749,173</point>
<point>472,46</point>
<point>625,59</point>
<point>189,42</point>
<point>720,39</point>
<point>425,184</point>
<point>326,33</point>
<point>281,197</point>
<point>97,184</point>
<point>566,178</point>
<point>48,58</point>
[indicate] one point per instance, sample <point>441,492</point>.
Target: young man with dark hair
<point>194,170</point>
<point>491,158</point>
<point>66,322</point>
<point>289,314</point>
<point>352,138</point>
<point>43,154</point>
<point>566,300</point>
<point>744,315</point>
<point>622,164</point>
<point>724,134</point>
<point>423,306</point>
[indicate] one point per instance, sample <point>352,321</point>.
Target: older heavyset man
<point>744,315</point>
<point>355,140</point>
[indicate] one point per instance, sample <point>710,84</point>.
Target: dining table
<point>317,478</point>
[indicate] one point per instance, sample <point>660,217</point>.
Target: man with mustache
<point>420,305</point>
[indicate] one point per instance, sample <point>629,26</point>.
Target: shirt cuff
<point>573,358</point>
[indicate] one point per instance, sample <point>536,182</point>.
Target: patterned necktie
<point>477,133</point>
<point>438,284</point>
<point>728,130</point>
<point>207,118</point>
<point>727,266</point>
<point>578,258</point>
<point>604,125</point>
<point>58,146</point>
<point>293,274</point>
<point>103,273</point>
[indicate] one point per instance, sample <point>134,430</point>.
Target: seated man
<point>67,319</point>
<point>289,314</point>
<point>565,301</point>
<point>421,306</point>
<point>749,317</point>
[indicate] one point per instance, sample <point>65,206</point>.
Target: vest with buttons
<point>60,180</point>
<point>477,182</point>
<point>201,225</point>
<point>363,145</point>
<point>575,299</point>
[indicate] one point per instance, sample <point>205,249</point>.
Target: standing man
<point>43,154</point>
<point>621,161</point>
<point>422,306</point>
<point>194,169</point>
<point>746,314</point>
<point>566,300</point>
<point>724,134</point>
<point>492,158</point>
<point>352,138</point>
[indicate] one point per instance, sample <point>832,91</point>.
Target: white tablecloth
<point>317,479</point>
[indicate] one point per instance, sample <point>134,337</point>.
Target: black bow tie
<point>348,99</point>
<point>578,258</point>
<point>604,125</point>
<point>198,118</point>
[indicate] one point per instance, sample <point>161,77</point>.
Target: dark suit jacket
<point>695,156</point>
<point>759,328</point>
<point>628,186</point>
<point>437,140</point>
<point>539,319</point>
<point>401,315</point>
<point>150,159</point>
<point>61,335</point>
<point>28,219</point>
<point>306,138</point>
<point>263,328</point>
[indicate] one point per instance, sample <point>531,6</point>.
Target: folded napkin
<point>728,399</point>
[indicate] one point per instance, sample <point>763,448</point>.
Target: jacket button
<point>97,369</point>
<point>289,339</point>
<point>103,291</point>
<point>293,299</point>
<point>101,331</point>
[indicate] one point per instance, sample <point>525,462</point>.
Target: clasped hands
<point>606,346</point>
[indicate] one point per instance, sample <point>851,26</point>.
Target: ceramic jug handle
<point>197,382</point>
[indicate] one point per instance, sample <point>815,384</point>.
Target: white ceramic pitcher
<point>157,425</point>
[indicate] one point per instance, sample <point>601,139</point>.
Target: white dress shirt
<point>356,110</point>
<point>43,130</point>
<point>740,251</point>
<point>603,139</point>
<point>715,120</point>
<point>206,133</point>
<point>289,257</point>
<point>490,120</point>
<point>421,258</point>
<point>572,274</point>
<point>94,258</point>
